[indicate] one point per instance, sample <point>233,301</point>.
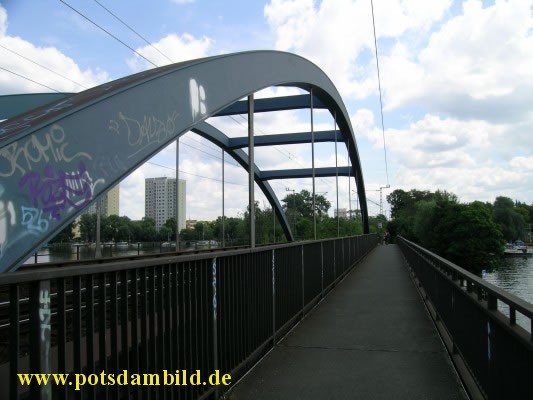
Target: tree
<point>88,227</point>
<point>510,222</point>
<point>145,230</point>
<point>423,221</point>
<point>301,204</point>
<point>232,228</point>
<point>171,225</point>
<point>466,235</point>
<point>298,208</point>
<point>462,233</point>
<point>66,234</point>
<point>402,202</point>
<point>188,234</point>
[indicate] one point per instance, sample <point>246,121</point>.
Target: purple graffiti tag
<point>54,191</point>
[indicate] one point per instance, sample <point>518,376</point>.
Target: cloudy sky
<point>456,78</point>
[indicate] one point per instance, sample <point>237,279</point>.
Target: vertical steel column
<point>313,160</point>
<point>350,187</point>
<point>336,171</point>
<point>98,250</point>
<point>274,223</point>
<point>223,222</point>
<point>177,194</point>
<point>251,182</point>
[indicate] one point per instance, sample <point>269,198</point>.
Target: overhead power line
<point>42,66</point>
<point>380,96</point>
<point>190,173</point>
<point>28,79</point>
<point>133,30</point>
<point>106,31</point>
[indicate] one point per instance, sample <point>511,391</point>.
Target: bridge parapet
<point>207,312</point>
<point>477,322</point>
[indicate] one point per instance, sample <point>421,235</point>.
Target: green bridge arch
<point>58,158</point>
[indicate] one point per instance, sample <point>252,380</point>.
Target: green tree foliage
<point>66,235</point>
<point>465,235</point>
<point>171,226</point>
<point>298,208</point>
<point>462,233</point>
<point>512,223</point>
<point>145,231</point>
<point>88,227</point>
<point>116,229</point>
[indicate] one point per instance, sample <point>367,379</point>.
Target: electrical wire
<point>288,155</point>
<point>106,31</point>
<point>42,66</point>
<point>190,173</point>
<point>28,79</point>
<point>133,30</point>
<point>209,154</point>
<point>380,96</point>
<point>275,147</point>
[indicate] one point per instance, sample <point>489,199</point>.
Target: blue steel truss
<point>57,158</point>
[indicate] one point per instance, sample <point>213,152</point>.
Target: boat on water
<point>517,249</point>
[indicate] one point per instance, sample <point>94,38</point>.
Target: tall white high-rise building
<point>160,200</point>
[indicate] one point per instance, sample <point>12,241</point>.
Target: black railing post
<point>215,319</point>
<point>273,297</point>
<point>321,269</point>
<point>14,340</point>
<point>40,317</point>
<point>303,281</point>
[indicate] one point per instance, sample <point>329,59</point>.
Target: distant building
<point>109,203</point>
<point>160,200</point>
<point>341,213</point>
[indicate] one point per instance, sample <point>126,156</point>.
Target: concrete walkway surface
<point>370,338</point>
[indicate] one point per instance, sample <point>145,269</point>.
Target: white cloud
<point>50,57</point>
<point>176,47</point>
<point>132,195</point>
<point>3,21</point>
<point>335,33</point>
<point>468,158</point>
<point>477,65</point>
<point>522,164</point>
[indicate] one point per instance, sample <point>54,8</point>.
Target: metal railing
<point>207,312</point>
<point>63,252</point>
<point>477,320</point>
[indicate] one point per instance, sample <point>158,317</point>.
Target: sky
<point>456,79</point>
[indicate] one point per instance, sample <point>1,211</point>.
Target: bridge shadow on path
<point>371,338</point>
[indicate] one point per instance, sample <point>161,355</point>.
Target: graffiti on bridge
<point>53,191</point>
<point>146,132</point>
<point>23,157</point>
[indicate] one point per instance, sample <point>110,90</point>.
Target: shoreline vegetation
<point>472,235</point>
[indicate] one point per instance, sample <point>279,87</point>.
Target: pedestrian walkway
<point>371,338</point>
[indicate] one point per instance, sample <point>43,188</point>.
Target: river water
<point>515,275</point>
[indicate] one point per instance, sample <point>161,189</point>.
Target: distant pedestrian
<point>386,237</point>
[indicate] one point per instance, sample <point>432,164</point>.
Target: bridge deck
<point>371,338</point>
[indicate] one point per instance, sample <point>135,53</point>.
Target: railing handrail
<point>111,264</point>
<point>510,299</point>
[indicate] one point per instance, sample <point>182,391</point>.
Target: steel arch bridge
<point>59,157</point>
